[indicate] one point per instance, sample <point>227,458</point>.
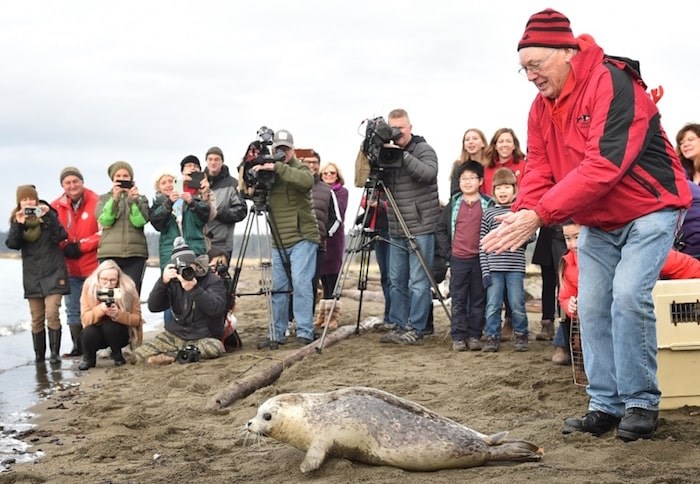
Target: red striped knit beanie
<point>548,28</point>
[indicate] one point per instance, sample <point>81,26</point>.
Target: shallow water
<point>24,383</point>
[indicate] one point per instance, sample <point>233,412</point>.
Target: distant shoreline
<point>151,262</point>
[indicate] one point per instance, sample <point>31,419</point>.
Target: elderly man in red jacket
<point>597,153</point>
<point>76,211</point>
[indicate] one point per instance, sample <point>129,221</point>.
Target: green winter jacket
<point>122,225</point>
<point>194,223</point>
<point>290,205</point>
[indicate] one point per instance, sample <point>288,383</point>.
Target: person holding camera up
<point>76,211</point>
<point>122,214</point>
<point>36,231</point>
<point>291,209</point>
<point>414,187</point>
<point>185,214</point>
<point>110,310</point>
<point>197,298</point>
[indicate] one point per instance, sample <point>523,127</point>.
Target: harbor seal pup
<point>375,427</point>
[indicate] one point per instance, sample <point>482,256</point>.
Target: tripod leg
<point>362,282</point>
<point>358,242</point>
<point>414,248</point>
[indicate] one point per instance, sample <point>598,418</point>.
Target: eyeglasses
<point>468,178</point>
<point>311,162</point>
<point>104,280</point>
<point>535,67</point>
<point>330,172</point>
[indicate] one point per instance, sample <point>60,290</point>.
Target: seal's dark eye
<point>267,416</point>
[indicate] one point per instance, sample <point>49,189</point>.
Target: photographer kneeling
<point>198,302</point>
<point>110,311</point>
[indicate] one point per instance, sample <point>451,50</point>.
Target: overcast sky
<point>86,83</point>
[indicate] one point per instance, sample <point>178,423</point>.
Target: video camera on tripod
<point>259,153</point>
<point>377,135</point>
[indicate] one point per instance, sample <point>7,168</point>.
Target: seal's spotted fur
<point>375,427</point>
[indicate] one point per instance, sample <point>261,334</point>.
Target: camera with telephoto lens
<point>377,134</point>
<point>259,153</point>
<point>188,354</point>
<point>109,296</point>
<point>184,269</point>
<point>32,211</point>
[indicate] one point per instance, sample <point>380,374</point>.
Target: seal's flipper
<point>314,456</point>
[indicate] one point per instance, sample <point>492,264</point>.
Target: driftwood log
<point>246,386</point>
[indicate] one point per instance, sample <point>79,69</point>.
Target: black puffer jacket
<point>414,187</point>
<point>43,266</point>
<point>198,313</point>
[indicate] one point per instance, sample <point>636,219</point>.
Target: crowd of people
<point>599,189</point>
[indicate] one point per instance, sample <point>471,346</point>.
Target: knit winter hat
<point>191,159</point>
<point>470,165</point>
<point>26,191</point>
<point>118,165</point>
<point>215,150</point>
<point>71,170</point>
<point>182,254</point>
<point>504,176</point>
<point>548,28</point>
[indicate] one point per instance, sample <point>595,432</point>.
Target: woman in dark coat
<point>36,231</point>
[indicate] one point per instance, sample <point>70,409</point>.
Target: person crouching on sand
<point>110,310</point>
<point>197,298</point>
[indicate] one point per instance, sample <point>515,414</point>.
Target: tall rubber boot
<point>75,330</point>
<point>39,340</point>
<point>55,345</point>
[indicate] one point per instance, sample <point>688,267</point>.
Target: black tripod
<point>362,240</point>
<point>264,249</point>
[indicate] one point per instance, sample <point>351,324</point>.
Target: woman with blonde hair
<point>335,244</point>
<point>473,148</point>
<point>110,310</point>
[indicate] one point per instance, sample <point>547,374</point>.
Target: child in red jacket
<point>677,266</point>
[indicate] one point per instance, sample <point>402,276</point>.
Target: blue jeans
<point>381,252</point>
<point>411,298</point>
<point>468,296</point>
<point>302,257</point>
<point>514,285</point>
<point>618,270</point>
<point>73,299</point>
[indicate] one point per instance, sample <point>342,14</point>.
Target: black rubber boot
<point>87,363</point>
<point>75,331</point>
<point>55,345</point>
<point>39,340</point>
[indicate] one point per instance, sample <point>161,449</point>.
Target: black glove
<point>486,280</point>
<point>72,251</point>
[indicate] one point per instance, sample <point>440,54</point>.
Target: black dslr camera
<point>377,134</point>
<point>188,354</point>
<point>185,270</point>
<point>258,153</point>
<point>109,296</point>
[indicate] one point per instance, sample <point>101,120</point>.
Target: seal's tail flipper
<point>516,451</point>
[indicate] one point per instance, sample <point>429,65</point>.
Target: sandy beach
<point>156,424</point>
